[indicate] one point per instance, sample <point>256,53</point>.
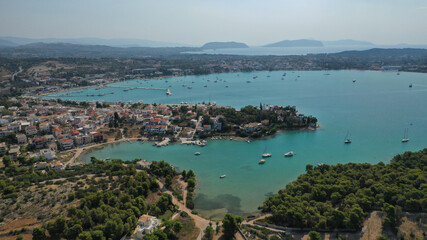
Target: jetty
<point>165,142</point>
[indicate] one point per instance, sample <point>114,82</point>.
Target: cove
<point>375,110</point>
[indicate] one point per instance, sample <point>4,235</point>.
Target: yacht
<point>289,154</point>
<point>222,176</point>
<point>405,136</point>
<point>262,161</point>
<point>197,153</point>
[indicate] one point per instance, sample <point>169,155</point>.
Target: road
<point>15,74</point>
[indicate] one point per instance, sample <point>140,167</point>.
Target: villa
<point>146,224</point>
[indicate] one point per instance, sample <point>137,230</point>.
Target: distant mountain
<point>118,42</point>
<point>47,50</point>
<point>219,45</point>
<point>6,43</point>
<point>296,43</point>
<point>347,42</point>
<point>385,52</point>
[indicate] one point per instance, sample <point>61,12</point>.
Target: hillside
<point>341,196</point>
<point>385,52</point>
<point>296,43</point>
<point>219,45</point>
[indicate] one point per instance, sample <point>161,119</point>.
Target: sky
<point>195,22</point>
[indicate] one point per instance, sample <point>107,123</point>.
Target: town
<point>49,129</point>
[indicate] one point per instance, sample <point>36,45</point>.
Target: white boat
<point>197,153</point>
<point>266,154</point>
<point>347,138</point>
<point>405,136</point>
<point>289,154</point>
<point>262,161</point>
<point>168,92</point>
<point>222,176</point>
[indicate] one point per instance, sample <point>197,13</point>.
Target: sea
<point>372,108</point>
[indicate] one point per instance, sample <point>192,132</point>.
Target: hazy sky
<point>254,22</point>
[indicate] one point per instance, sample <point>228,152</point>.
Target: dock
<point>163,143</point>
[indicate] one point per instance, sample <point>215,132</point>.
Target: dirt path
<point>200,222</point>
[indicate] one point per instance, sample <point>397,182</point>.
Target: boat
<point>266,154</point>
<point>289,154</point>
<point>168,92</point>
<point>410,85</point>
<point>397,73</point>
<point>248,81</point>
<point>222,176</point>
<point>206,86</point>
<point>226,86</point>
<point>197,153</point>
<point>405,136</point>
<point>347,139</point>
<point>262,161</point>
<point>189,87</point>
<point>354,80</point>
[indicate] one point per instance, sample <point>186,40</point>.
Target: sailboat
<point>266,154</point>
<point>347,139</point>
<point>405,136</point>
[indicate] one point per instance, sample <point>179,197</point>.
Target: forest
<point>341,196</point>
<point>106,202</point>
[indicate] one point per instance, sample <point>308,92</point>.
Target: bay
<point>375,110</point>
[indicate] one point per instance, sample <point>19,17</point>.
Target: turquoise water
<point>375,110</point>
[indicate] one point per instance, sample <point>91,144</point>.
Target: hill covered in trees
<point>341,196</point>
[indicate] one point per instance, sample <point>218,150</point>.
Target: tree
<point>39,233</point>
<point>308,167</point>
<point>7,161</point>
<point>177,226</point>
<point>85,236</point>
<point>209,232</point>
<point>313,235</point>
<point>230,224</point>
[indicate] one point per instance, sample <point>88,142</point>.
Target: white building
<point>48,154</point>
<point>146,224</point>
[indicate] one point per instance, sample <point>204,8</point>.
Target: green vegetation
<point>105,203</point>
<point>341,196</point>
<point>272,119</point>
<point>190,178</point>
<point>230,223</point>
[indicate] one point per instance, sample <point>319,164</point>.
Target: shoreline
<point>80,151</point>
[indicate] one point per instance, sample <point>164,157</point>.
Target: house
<point>40,165</point>
<point>251,127</point>
<point>207,128</point>
<point>58,166</point>
<point>48,154</point>
<point>14,151</point>
<point>146,224</point>
<point>31,130</point>
<point>45,126</point>
<point>3,148</point>
<point>66,144</point>
<point>21,138</point>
